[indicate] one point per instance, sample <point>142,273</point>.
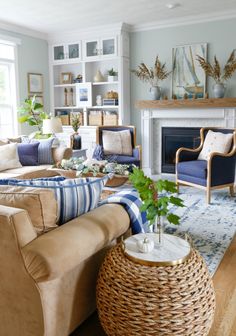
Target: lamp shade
<point>51,126</point>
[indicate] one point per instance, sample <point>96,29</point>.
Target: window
<point>8,113</point>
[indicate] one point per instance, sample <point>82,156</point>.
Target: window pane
<point>4,84</point>
<point>6,121</point>
<point>7,51</point>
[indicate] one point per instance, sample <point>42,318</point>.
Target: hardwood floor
<point>225,315</point>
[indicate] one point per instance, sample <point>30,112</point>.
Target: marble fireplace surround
<point>153,119</point>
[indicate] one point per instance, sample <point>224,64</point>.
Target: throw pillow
<point>28,154</point>
<point>40,204</point>
<point>117,142</point>
<point>9,157</point>
<point>45,150</point>
<point>215,142</point>
<point>74,196</point>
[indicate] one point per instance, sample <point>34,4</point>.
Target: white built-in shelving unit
<point>85,53</point>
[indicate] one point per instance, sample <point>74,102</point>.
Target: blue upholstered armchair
<point>216,172</point>
<point>135,158</point>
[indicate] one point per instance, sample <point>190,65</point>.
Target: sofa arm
<point>61,250</point>
<point>60,153</point>
<point>222,168</point>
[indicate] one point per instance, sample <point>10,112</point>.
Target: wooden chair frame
<point>208,187</point>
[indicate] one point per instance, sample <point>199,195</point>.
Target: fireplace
<point>172,139</point>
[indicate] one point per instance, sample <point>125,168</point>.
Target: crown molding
<point>22,30</point>
<point>104,30</point>
<point>193,19</point>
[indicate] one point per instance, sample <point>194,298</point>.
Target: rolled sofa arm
<point>60,153</point>
<point>64,248</point>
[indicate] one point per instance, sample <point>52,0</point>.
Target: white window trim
<point>9,40</point>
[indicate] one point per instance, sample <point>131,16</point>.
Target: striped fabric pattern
<point>132,203</point>
<point>74,196</point>
<point>45,150</point>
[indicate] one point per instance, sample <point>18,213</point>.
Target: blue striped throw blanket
<point>132,203</point>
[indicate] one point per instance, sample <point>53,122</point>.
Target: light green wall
<point>220,36</point>
<point>32,57</point>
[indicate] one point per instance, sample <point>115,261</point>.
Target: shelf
<point>67,108</point>
<point>64,85</point>
<point>105,83</point>
<point>105,106</point>
<point>186,103</point>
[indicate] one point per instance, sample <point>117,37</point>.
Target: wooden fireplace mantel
<point>186,103</point>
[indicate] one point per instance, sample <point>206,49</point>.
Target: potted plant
<point>31,112</point>
<point>152,76</point>
<point>75,138</point>
<point>112,75</point>
<point>219,75</point>
<point>156,205</point>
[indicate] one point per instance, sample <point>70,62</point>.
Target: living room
<point>114,116</point>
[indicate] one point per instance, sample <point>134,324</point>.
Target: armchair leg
<point>177,187</point>
<point>231,190</point>
<point>208,195</point>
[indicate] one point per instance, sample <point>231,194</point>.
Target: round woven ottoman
<point>134,299</point>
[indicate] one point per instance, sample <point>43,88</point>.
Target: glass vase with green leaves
<point>31,112</point>
<point>158,198</point>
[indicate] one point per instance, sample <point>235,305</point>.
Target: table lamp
<point>52,126</point>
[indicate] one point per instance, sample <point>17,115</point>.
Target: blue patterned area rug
<point>211,227</point>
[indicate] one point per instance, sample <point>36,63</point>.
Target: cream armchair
<point>47,283</point>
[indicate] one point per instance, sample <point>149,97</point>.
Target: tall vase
<point>155,92</point>
<point>158,229</point>
<point>76,141</point>
<point>219,90</point>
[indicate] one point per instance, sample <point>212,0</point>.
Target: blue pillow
<point>74,196</point>
<point>45,150</point>
<point>11,181</point>
<point>28,154</point>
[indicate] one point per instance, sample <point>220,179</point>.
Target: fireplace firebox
<point>172,139</point>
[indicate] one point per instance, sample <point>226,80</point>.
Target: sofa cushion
<point>74,196</point>
<point>125,159</point>
<point>28,154</point>
<point>196,168</point>
<point>80,238</point>
<point>215,142</point>
<point>117,142</point>
<point>9,157</point>
<point>28,172</point>
<point>40,204</point>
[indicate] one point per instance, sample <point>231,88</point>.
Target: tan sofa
<point>26,172</point>
<point>47,282</point>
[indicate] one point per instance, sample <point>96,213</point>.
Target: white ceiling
<point>50,16</point>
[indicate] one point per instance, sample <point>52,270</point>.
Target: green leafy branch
<point>32,113</point>
<point>153,204</point>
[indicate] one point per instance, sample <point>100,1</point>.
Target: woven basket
<point>137,300</point>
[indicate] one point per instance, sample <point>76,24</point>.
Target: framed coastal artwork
<point>84,94</point>
<point>188,78</point>
<point>35,83</point>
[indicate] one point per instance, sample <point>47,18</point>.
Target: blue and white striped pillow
<point>74,196</point>
<point>45,150</point>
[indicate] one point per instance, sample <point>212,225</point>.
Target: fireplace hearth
<point>172,139</point>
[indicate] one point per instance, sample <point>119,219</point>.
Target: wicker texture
<point>141,300</point>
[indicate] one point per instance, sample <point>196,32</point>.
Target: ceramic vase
<point>219,90</point>
<point>155,92</point>
<point>76,141</point>
<point>98,77</point>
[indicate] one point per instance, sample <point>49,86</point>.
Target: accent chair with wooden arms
<point>218,171</point>
<point>135,155</point>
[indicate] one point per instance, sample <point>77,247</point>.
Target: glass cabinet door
<point>92,49</point>
<point>58,53</point>
<point>109,46</point>
<point>73,50</point>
